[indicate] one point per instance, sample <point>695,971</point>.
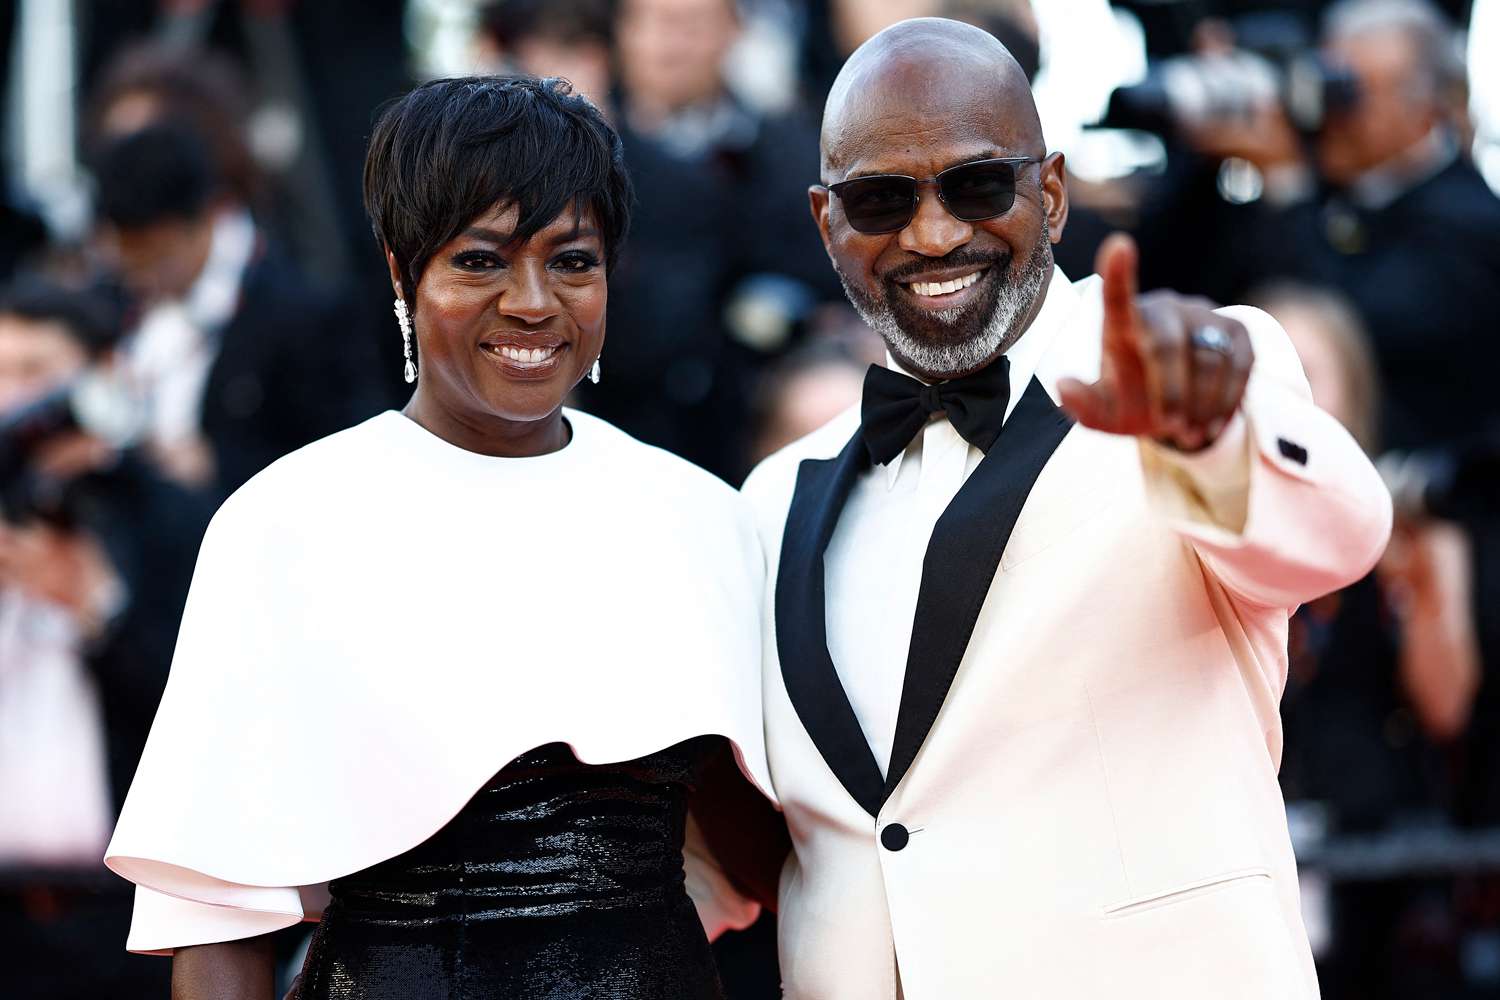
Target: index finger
<point>1117,263</point>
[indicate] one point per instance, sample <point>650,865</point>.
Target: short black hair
<point>453,149</point>
<point>157,173</point>
<point>90,318</point>
<point>514,22</point>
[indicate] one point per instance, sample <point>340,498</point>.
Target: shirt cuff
<point>105,604</point>
<point>1211,486</point>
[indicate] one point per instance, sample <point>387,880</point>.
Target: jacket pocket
<point>1183,893</point>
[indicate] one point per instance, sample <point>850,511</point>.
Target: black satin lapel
<point>812,683</point>
<point>960,565</point>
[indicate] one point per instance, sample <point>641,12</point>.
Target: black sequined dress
<point>559,879</point>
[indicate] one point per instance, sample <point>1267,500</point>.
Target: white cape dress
<point>381,621</point>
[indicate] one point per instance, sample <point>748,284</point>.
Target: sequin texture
<point>558,879</point>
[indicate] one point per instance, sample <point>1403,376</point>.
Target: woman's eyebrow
<point>492,235</point>
<point>497,237</point>
<point>585,233</point>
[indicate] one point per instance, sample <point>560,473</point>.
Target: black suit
<point>673,377</point>
<point>150,529</point>
<point>1423,273</point>
<point>291,368</point>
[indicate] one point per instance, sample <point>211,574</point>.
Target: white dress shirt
<point>173,349</point>
<point>874,559</point>
<point>54,787</point>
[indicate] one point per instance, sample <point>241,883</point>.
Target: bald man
<point>1029,601</point>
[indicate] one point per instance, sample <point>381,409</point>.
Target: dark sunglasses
<point>973,192</point>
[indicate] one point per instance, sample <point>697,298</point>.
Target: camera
<point>1455,483</point>
<point>93,404</point>
<point>1275,60</point>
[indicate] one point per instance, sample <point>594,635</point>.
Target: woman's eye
<point>478,261</point>
<point>577,261</point>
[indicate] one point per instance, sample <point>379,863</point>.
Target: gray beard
<point>950,359</point>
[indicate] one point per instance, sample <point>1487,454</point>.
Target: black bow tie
<point>897,406</point>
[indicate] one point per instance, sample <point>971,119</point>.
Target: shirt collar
<point>1379,186</point>
<point>214,296</point>
<point>1025,354</point>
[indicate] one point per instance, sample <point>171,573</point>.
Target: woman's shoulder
<point>656,470</point>
<point>316,473</point>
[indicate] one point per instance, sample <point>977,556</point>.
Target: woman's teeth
<point>524,355</point>
<point>945,287</point>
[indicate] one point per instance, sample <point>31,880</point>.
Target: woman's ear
<point>390,259</point>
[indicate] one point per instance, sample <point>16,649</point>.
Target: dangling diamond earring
<point>403,317</point>
<point>594,372</point>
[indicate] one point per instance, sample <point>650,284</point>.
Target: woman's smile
<point>531,358</point>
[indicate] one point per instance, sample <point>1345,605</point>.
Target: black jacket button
<point>894,837</point>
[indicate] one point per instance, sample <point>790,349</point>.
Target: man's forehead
<point>920,161</point>
<point>913,98</point>
<point>903,135</point>
<point>1389,50</point>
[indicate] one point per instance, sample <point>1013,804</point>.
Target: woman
<point>457,670</point>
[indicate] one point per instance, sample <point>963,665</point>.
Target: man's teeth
<point>945,287</point>
<point>526,356</point>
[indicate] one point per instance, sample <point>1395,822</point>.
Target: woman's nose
<point>528,296</point>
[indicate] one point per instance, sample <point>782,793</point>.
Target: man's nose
<point>933,231</point>
<point>529,296</point>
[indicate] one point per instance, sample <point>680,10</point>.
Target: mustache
<point>962,257</point>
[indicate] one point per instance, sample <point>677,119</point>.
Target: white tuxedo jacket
<point>1082,798</point>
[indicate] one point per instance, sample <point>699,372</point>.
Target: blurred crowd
<point>188,290</point>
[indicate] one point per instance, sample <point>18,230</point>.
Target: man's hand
<point>1267,139</point>
<point>1172,370</point>
<point>63,568</point>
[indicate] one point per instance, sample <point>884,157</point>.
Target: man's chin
<point>942,332</point>
<point>936,332</point>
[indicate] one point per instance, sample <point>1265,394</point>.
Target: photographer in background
<point>1379,202</point>
<point>240,359</point>
<point>721,232</point>
<point>570,39</point>
<point>1380,688</point>
<point>96,551</point>
<point>1367,190</point>
<point>1388,210</point>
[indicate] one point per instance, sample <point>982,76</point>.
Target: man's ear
<point>1054,176</point>
<point>818,198</point>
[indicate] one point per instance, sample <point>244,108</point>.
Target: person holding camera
<point>1383,206</point>
<point>241,359</point>
<point>96,550</point>
<point>1378,202</point>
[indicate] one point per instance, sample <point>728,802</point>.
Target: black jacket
<point>150,529</point>
<point>1423,273</point>
<point>292,366</point>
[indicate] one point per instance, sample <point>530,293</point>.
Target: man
<point>242,361</point>
<point>718,188</point>
<point>1023,673</point>
<point>569,39</point>
<point>1386,208</point>
<point>1382,205</point>
<point>96,551</point>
